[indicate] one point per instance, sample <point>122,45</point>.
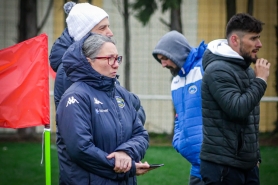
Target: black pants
<point>215,174</point>
<point>195,181</point>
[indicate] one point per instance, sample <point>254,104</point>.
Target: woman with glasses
<point>100,138</point>
<point>82,18</point>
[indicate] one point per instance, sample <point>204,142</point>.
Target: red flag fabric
<point>24,84</point>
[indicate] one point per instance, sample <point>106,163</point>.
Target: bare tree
<point>145,9</point>
<point>231,8</point>
<point>176,19</point>
<point>127,45</point>
<point>276,72</point>
<point>28,28</point>
<point>250,7</point>
<point>123,8</point>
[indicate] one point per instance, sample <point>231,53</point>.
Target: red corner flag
<point>24,84</point>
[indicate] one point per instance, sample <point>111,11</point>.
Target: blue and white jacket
<point>186,95</point>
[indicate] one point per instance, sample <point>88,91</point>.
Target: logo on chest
<point>192,89</point>
<point>120,101</point>
<point>96,101</point>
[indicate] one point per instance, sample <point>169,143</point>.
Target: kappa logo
<point>71,100</point>
<point>192,89</point>
<point>97,101</point>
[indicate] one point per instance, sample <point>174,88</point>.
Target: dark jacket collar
<point>58,49</point>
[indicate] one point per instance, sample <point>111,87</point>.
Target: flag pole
<point>47,155</point>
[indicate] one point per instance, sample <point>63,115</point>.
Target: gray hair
<point>93,43</point>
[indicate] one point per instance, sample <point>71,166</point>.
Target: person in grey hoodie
<point>185,63</point>
<point>231,94</point>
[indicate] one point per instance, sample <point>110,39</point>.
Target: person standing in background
<point>231,94</point>
<point>100,138</point>
<point>82,19</point>
<point>185,64</point>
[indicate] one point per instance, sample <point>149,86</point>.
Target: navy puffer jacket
<point>62,82</point>
<point>95,117</point>
<point>57,51</point>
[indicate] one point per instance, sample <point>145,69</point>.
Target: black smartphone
<point>156,165</point>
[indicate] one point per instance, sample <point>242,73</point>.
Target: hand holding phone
<point>142,168</point>
<point>153,166</point>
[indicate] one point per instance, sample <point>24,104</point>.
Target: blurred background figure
<point>185,64</point>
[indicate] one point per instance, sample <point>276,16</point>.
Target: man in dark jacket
<point>82,19</point>
<point>231,94</point>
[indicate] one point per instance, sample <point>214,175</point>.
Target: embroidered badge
<point>192,89</point>
<point>120,101</point>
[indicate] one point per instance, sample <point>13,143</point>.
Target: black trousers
<point>215,174</point>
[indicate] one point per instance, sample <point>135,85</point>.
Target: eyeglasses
<point>111,60</point>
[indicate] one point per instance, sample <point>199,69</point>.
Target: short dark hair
<point>245,23</point>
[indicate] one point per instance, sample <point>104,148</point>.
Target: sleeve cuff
<point>262,79</point>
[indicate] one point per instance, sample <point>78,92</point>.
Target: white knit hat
<point>82,18</point>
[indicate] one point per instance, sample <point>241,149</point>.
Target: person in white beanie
<point>82,19</point>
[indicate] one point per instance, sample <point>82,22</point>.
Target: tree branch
<point>45,16</point>
<point>117,4</point>
<point>164,22</point>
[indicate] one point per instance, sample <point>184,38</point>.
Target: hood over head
<point>174,46</point>
<point>58,49</point>
<point>78,68</point>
